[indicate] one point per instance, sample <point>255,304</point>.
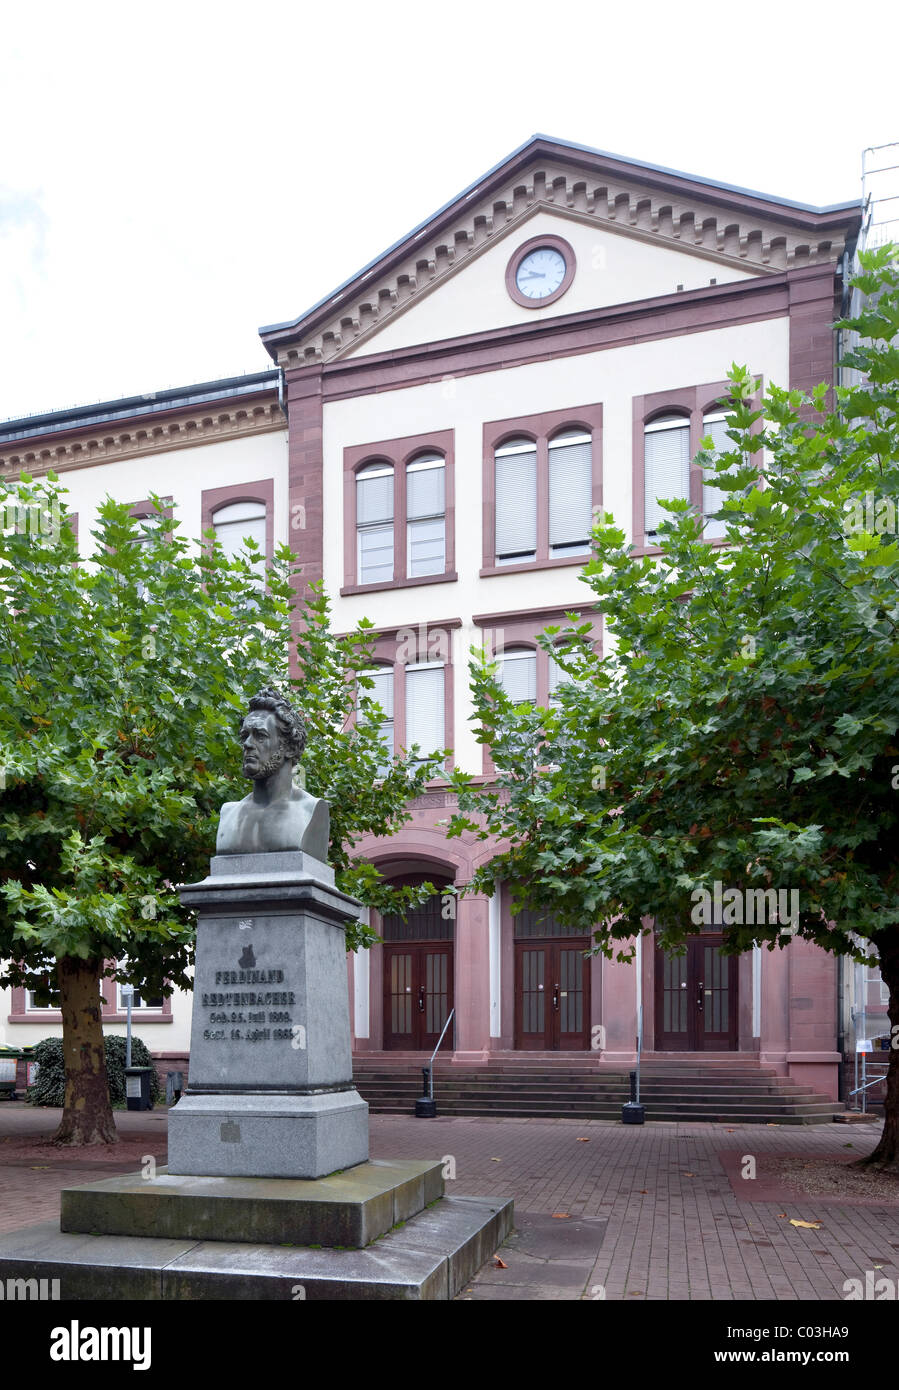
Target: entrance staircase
<point>723,1087</point>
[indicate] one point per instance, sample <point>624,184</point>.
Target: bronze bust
<point>277,815</point>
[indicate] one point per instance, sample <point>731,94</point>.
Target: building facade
<point>433,440</point>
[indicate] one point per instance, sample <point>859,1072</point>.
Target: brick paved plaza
<point>601,1210</point>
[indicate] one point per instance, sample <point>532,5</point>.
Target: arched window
<point>382,692</point>
<point>374,522</point>
<point>518,674</point>
<point>516,501</point>
<point>666,466</point>
<point>236,523</point>
<point>425,706</point>
<point>425,515</point>
<point>570,492</point>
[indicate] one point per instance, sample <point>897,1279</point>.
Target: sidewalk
<point>602,1210</point>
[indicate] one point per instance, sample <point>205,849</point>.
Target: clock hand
<point>534,275</point>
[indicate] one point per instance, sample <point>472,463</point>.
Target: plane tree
<point>123,678</point>
<point>742,727</point>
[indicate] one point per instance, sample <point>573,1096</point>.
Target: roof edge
<point>530,147</point>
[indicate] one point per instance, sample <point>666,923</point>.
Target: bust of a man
<point>277,815</point>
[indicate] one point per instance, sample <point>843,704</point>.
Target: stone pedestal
<point>271,1089</point>
<point>270,1106</point>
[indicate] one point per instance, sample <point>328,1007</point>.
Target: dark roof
<point>127,407</point>
<point>546,144</point>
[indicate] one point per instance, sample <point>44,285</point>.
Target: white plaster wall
<point>612,377</point>
<point>612,268</point>
<point>182,474</point>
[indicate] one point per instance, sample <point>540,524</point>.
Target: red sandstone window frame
<point>693,403</point>
<point>501,631</point>
<point>425,640</point>
<point>541,428</point>
<point>398,453</point>
<point>262,491</point>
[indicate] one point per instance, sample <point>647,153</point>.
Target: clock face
<point>540,273</point>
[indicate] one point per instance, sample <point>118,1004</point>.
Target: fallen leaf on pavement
<point>688,1175</point>
<point>496,1160</point>
<point>808,1225</point>
<point>582,1141</point>
<point>498,1263</point>
<point>561,1216</point>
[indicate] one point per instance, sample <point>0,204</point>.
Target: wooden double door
<point>552,995</point>
<point>696,998</point>
<point>418,994</point>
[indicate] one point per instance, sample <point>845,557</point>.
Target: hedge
<point>50,1086</point>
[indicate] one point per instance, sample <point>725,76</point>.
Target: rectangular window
<point>570,493</point>
<point>518,676</point>
<point>516,501</point>
<point>398,512</point>
<point>542,488</point>
<point>382,692</point>
<point>238,522</point>
<point>667,467</point>
<point>374,521</point>
<point>425,516</point>
<point>712,497</point>
<point>139,1001</point>
<point>425,713</point>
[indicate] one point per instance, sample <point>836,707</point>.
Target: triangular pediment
<point>636,231</point>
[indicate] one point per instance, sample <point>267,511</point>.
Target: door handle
<point>699,997</point>
<point>555,996</point>
<point>421,999</point>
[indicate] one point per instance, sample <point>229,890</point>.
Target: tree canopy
<point>742,726</point>
<point>123,679</point>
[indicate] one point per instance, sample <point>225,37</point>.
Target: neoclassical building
<point>433,439</point>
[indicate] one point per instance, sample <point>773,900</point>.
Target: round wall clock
<point>540,271</point>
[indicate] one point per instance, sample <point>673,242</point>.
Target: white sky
<point>173,175</point>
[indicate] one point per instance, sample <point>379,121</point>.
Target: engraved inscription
<point>250,1015</point>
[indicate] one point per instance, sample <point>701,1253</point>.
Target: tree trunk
<point>886,1155</point>
<point>87,1114</point>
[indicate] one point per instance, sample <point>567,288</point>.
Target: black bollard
<point>426,1107</point>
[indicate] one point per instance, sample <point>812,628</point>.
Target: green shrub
<point>50,1086</point>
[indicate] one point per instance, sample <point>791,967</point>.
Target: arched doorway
<point>418,969</point>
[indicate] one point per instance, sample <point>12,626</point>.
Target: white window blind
<point>559,677</point>
<point>146,525</point>
<point>666,466</point>
<point>715,424</point>
<point>374,523</point>
<point>516,501</point>
<point>556,678</point>
<point>570,492</point>
<point>237,522</point>
<point>425,721</point>
<point>425,516</point>
<point>518,676</point>
<point>383,694</point>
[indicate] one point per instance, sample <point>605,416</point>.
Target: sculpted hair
<point>291,724</point>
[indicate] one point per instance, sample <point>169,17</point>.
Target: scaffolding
<point>880,195</point>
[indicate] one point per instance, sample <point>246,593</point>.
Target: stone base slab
<point>352,1208</point>
<point>262,1135</point>
<point>431,1257</point>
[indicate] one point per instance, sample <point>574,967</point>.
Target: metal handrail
<point>863,1088</point>
<point>430,1067</point>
